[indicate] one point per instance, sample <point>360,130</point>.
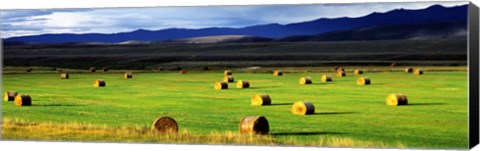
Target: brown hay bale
<point>408,70</point>
<point>305,80</point>
<point>396,99</point>
<point>64,76</point>
<point>221,85</point>
<point>228,79</point>
<point>99,83</point>
<point>165,125</point>
<point>261,99</point>
<point>303,108</point>
<point>23,100</point>
<point>227,72</point>
<point>243,84</point>
<point>418,72</point>
<point>363,81</point>
<point>326,78</point>
<point>128,75</point>
<point>278,73</point>
<point>105,69</point>
<point>9,95</point>
<point>341,73</point>
<point>254,125</point>
<point>358,71</point>
<point>92,69</point>
<point>183,71</point>
<point>29,70</point>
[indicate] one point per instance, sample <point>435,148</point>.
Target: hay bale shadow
<point>415,104</point>
<point>333,113</point>
<point>304,133</point>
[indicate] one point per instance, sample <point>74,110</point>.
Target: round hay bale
<point>341,73</point>
<point>261,99</point>
<point>165,125</point>
<point>396,99</point>
<point>358,71</point>
<point>183,71</point>
<point>99,83</point>
<point>303,108</point>
<point>278,73</point>
<point>363,81</point>
<point>64,76</point>
<point>409,70</point>
<point>340,69</point>
<point>418,72</point>
<point>228,79</point>
<point>327,78</point>
<point>305,80</point>
<point>128,75</point>
<point>227,72</point>
<point>243,84</point>
<point>9,95</point>
<point>92,69</point>
<point>105,69</point>
<point>254,125</point>
<point>221,85</point>
<point>23,100</point>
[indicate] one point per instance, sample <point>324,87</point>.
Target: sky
<point>114,20</point>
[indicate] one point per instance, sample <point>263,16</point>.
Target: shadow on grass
<point>414,104</point>
<point>333,113</point>
<point>303,133</point>
<point>56,105</point>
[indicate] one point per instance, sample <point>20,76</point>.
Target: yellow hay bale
<point>183,71</point>
<point>336,69</point>
<point>358,71</point>
<point>23,100</point>
<point>327,78</point>
<point>243,84</point>
<point>341,73</point>
<point>418,71</point>
<point>408,70</point>
<point>227,72</point>
<point>64,76</point>
<point>92,69</point>
<point>396,99</point>
<point>278,73</point>
<point>165,125</point>
<point>305,80</point>
<point>221,85</point>
<point>105,69</point>
<point>303,108</point>
<point>9,95</point>
<point>363,81</point>
<point>128,75</point>
<point>254,125</point>
<point>228,79</point>
<point>99,83</point>
<point>261,99</point>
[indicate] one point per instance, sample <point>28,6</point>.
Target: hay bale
<point>396,99</point>
<point>305,80</point>
<point>341,73</point>
<point>99,83</point>
<point>277,73</point>
<point>357,71</point>
<point>243,84</point>
<point>340,69</point>
<point>303,108</point>
<point>221,85</point>
<point>92,69</point>
<point>228,79</point>
<point>29,70</point>
<point>128,75</point>
<point>418,72</point>
<point>363,81</point>
<point>165,125</point>
<point>23,100</point>
<point>261,99</point>
<point>326,78</point>
<point>9,95</point>
<point>227,72</point>
<point>105,69</point>
<point>254,125</point>
<point>183,71</point>
<point>393,64</point>
<point>64,76</point>
<point>409,70</point>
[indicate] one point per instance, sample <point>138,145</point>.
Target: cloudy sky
<point>114,20</point>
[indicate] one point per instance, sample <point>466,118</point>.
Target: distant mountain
<point>433,14</point>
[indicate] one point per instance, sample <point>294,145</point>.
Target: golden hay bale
<point>327,78</point>
<point>23,100</point>
<point>128,75</point>
<point>396,99</point>
<point>64,76</point>
<point>92,69</point>
<point>221,85</point>
<point>261,99</point>
<point>341,73</point>
<point>105,69</point>
<point>305,80</point>
<point>9,95</point>
<point>254,125</point>
<point>228,79</point>
<point>303,108</point>
<point>363,81</point>
<point>418,71</point>
<point>165,125</point>
<point>408,70</point>
<point>243,84</point>
<point>99,83</point>
<point>183,71</point>
<point>227,72</point>
<point>278,73</point>
<point>358,71</point>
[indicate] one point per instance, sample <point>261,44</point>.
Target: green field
<point>346,114</point>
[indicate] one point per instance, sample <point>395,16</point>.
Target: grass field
<point>346,114</point>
